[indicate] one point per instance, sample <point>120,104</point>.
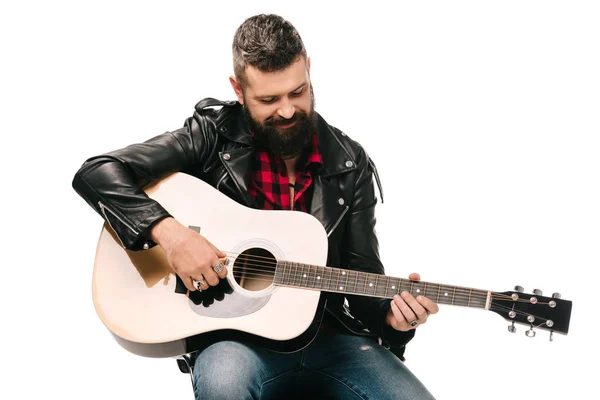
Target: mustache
<point>281,121</point>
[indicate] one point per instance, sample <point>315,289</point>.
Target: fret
<point>425,290</point>
<point>292,273</point>
<point>344,274</point>
<point>411,287</point>
<point>309,276</point>
<point>437,299</point>
<point>301,275</point>
<point>358,274</point>
<point>396,286</point>
<point>405,285</point>
<point>330,284</point>
<point>462,299</point>
<point>375,286</point>
<point>362,283</point>
<point>276,275</point>
<point>479,299</point>
<point>387,286</point>
<point>444,295</point>
<point>453,294</point>
<point>312,277</point>
<point>346,284</point>
<point>320,275</point>
<point>280,273</point>
<point>351,279</point>
<point>470,292</point>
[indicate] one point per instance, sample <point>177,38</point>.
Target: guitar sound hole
<point>254,269</point>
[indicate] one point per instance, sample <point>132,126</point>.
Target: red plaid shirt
<point>270,185</point>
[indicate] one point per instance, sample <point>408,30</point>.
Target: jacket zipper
<point>103,208</point>
<point>338,221</point>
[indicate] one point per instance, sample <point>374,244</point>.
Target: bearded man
<point>270,150</point>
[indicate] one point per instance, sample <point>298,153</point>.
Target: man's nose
<point>286,110</point>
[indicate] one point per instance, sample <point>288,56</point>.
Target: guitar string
<point>272,265</point>
<point>311,282</point>
<point>476,299</point>
<point>269,272</point>
<point>473,293</point>
<point>493,307</point>
<point>316,284</point>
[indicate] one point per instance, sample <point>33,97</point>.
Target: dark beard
<point>286,143</point>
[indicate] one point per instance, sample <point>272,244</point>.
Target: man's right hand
<point>190,254</point>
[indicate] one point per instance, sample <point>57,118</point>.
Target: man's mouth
<point>286,126</point>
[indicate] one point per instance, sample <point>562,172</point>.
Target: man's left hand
<point>409,312</point>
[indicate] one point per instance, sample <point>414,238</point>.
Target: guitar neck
<point>328,279</point>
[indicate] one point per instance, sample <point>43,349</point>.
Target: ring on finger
<point>414,323</point>
<point>219,267</point>
<point>198,284</point>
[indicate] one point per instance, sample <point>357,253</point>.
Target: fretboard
<point>338,280</point>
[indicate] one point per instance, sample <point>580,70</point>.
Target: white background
<point>482,117</point>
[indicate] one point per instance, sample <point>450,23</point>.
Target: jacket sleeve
<point>362,253</point>
<point>112,183</point>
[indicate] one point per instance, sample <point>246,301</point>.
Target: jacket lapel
<point>328,202</point>
<point>238,163</point>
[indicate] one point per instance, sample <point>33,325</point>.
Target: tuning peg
<point>519,289</point>
<point>556,295</point>
<point>551,334</point>
<point>530,332</point>
<point>537,292</point>
<point>512,328</point>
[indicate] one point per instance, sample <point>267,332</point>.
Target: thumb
<point>414,277</point>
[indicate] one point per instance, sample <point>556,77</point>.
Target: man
<point>270,150</point>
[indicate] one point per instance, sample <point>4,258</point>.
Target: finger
<point>400,323</point>
<point>430,306</point>
<point>198,280</point>
<point>223,269</point>
<point>415,306</point>
<point>408,313</point>
<point>414,277</point>
<point>211,276</point>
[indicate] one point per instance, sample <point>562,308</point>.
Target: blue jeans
<point>336,365</point>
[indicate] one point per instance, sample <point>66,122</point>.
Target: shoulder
<point>356,152</point>
<point>219,117</point>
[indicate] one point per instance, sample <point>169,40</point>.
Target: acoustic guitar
<point>272,294</point>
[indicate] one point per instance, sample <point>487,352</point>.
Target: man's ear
<point>237,89</point>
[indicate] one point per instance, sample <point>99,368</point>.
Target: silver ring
<point>414,323</point>
<point>219,267</point>
<point>198,284</point>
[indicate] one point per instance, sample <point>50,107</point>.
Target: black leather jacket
<point>215,145</point>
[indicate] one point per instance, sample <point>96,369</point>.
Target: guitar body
<point>141,301</point>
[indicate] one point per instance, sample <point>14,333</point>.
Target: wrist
<point>160,231</point>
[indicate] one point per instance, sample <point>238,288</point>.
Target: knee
<point>225,370</point>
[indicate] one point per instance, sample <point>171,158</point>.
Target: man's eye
<point>298,92</point>
<point>267,101</point>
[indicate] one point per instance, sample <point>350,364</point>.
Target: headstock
<point>534,310</point>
